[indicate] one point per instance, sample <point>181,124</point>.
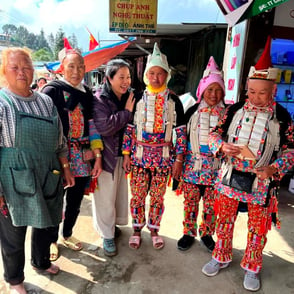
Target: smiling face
<point>156,76</point>
<point>261,92</point>
<point>121,81</point>
<point>213,94</point>
<point>18,73</point>
<point>73,69</point>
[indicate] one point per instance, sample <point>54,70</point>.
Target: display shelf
<point>283,65</point>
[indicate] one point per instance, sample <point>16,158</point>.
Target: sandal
<point>54,253</point>
<point>52,270</point>
<point>135,242</point>
<point>157,242</point>
<point>18,289</point>
<point>73,243</point>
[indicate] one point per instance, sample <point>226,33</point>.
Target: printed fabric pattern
<point>152,154</point>
<point>142,181</point>
<point>283,163</point>
<point>192,196</point>
<point>259,220</point>
<point>208,172</point>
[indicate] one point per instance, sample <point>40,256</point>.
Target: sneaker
<point>212,268</point>
<point>251,281</point>
<point>185,242</point>
<point>208,242</point>
<point>109,247</point>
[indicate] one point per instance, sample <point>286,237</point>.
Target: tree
<point>73,41</point>
<point>31,41</point>
<point>51,42</point>
<point>9,29</point>
<point>58,42</point>
<point>41,41</point>
<point>21,36</point>
<point>42,55</point>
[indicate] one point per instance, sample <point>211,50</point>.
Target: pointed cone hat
<point>156,59</point>
<point>263,69</point>
<point>212,74</point>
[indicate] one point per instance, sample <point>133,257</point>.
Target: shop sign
<point>133,16</point>
<point>259,6</point>
<point>236,11</point>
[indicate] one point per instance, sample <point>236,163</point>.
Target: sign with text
<point>133,16</point>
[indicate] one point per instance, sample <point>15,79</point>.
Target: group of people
<point>63,141</point>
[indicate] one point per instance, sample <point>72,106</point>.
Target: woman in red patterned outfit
<point>255,137</point>
<point>149,141</point>
<point>201,167</point>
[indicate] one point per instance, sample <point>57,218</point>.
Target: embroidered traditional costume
<point>201,167</point>
<point>267,132</point>
<point>149,141</point>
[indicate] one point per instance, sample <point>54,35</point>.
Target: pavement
<point>150,271</point>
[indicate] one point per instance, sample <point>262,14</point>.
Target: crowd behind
<point>59,141</point>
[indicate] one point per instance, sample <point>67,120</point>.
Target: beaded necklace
<point>252,127</point>
<point>155,109</point>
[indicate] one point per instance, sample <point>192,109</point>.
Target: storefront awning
<point>96,57</point>
<point>237,11</point>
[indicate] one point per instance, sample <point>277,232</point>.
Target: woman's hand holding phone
<point>131,101</point>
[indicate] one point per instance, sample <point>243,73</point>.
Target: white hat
<point>156,59</point>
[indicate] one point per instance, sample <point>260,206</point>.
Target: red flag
<point>66,44</point>
<point>92,43</point>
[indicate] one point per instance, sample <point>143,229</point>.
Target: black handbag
<point>242,181</point>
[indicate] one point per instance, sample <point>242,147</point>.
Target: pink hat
<point>212,74</point>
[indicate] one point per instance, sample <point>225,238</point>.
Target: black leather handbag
<point>242,181</point>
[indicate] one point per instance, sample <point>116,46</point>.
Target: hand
<point>265,172</point>
<point>230,149</point>
<point>177,170</point>
<point>69,178</point>
<point>127,163</point>
<point>130,102</point>
<point>97,169</point>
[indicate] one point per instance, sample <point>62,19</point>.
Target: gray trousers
<point>110,201</point>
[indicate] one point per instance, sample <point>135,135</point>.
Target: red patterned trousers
<point>143,181</point>
<point>259,219</point>
<point>192,196</point>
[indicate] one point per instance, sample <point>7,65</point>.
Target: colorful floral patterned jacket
<point>155,141</point>
<point>282,158</point>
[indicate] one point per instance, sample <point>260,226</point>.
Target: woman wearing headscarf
<point>201,167</point>
<point>74,102</point>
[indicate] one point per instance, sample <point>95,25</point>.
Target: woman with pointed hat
<point>255,138</point>
<point>200,167</point>
<point>149,141</point>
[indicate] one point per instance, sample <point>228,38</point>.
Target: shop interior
<point>282,55</point>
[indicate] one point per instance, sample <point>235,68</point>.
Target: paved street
<point>147,271</point>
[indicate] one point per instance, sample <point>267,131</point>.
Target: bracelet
<point>65,165</point>
<point>98,155</point>
<point>178,160</point>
